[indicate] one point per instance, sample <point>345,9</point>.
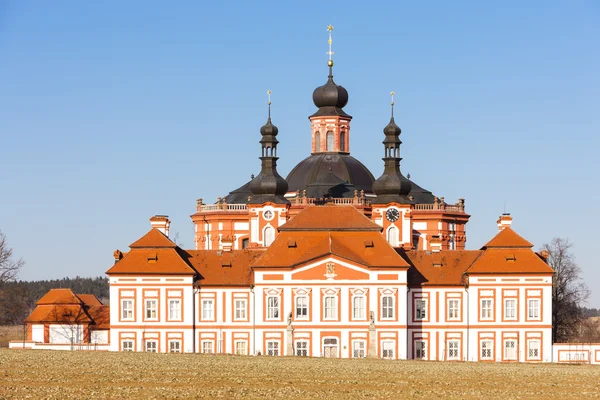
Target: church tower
<point>267,205</point>
<point>330,125</point>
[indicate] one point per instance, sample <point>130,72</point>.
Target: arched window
<point>317,141</point>
<point>392,236</point>
<point>329,141</point>
<point>245,243</point>
<point>343,141</point>
<point>268,236</point>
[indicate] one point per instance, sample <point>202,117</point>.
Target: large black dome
<point>317,169</point>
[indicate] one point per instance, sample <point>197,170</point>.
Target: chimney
<point>161,222</point>
<point>504,221</point>
<point>436,244</point>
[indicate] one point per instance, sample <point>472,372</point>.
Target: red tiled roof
<point>508,238</point>
<point>59,296</point>
<point>101,316</point>
<point>352,246</point>
<point>330,217</point>
<point>509,261</point>
<point>89,299</point>
<point>59,313</point>
<point>444,268</point>
<point>153,239</point>
<point>224,268</point>
<point>154,261</point>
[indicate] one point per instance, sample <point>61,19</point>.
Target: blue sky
<point>111,112</point>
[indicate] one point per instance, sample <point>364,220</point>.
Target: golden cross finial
<point>392,93</point>
<point>269,97</point>
<point>330,41</point>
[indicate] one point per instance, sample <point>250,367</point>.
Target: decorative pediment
<point>330,270</point>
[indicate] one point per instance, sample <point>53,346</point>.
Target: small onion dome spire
<point>392,185</point>
<point>330,98</point>
<point>268,185</point>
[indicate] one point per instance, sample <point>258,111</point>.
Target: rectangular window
<point>486,309</point>
<point>127,345</point>
<point>487,350</point>
<point>302,348</point>
<point>510,349</point>
<point>174,346</point>
<point>272,307</point>
<point>421,309</point>
<point>510,308</point>
<point>533,308</point>
<point>420,349</point>
<point>273,348</point>
<point>453,349</point>
<point>330,308</point>
<point>301,307</point>
<point>387,349</point>
<point>240,309</point>
<point>241,348</point>
<point>359,349</point>
<point>387,307</point>
<point>453,309</point>
<point>208,347</point>
<point>207,309</point>
<point>533,350</point>
<point>151,309</point>
<point>175,309</point>
<point>127,309</point>
<point>358,307</point>
<point>151,346</point>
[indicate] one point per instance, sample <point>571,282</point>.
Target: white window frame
<point>301,348</point>
<point>359,348</point>
<point>301,308</point>
<point>151,309</point>
<point>453,349</point>
<point>510,312</point>
<point>273,311</point>
<point>330,307</point>
<point>420,349</point>
<point>388,349</point>
<point>241,309</point>
<point>174,345</point>
<point>127,311</point>
<point>208,347</point>
<point>387,307</point>
<point>453,309</point>
<point>487,309</point>
<point>358,310</point>
<point>421,309</point>
<point>151,346</point>
<point>507,349</point>
<point>241,347</point>
<point>533,308</point>
<point>208,309</point>
<point>487,346</point>
<point>272,348</point>
<point>174,310</point>
<point>534,345</point>
<point>127,345</point>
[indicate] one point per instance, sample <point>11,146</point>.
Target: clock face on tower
<point>392,215</point>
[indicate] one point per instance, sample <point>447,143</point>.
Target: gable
<point>330,269</point>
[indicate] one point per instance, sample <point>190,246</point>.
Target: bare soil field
<point>78,375</point>
<point>10,332</point>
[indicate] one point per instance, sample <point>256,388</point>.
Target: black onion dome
<point>269,129</point>
<point>318,170</point>
<point>392,129</point>
<point>330,99</point>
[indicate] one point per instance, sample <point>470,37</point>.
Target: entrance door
<point>330,348</point>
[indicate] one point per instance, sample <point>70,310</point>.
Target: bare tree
<point>569,292</point>
<point>9,268</point>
